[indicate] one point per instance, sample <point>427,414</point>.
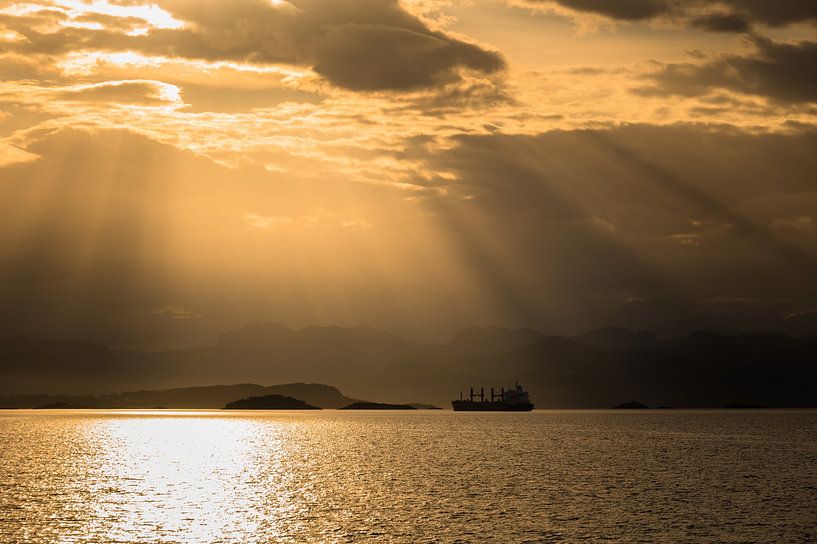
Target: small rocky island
<point>632,405</point>
<point>270,402</point>
<point>377,406</point>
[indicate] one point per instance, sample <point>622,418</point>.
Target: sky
<point>174,169</point>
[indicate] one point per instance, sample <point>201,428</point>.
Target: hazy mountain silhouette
<point>57,366</point>
<point>710,345</point>
<point>704,369</point>
<point>600,368</point>
<point>258,336</point>
<point>618,338</point>
<point>475,341</point>
<point>215,397</point>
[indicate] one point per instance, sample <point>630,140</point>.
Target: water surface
<point>334,476</point>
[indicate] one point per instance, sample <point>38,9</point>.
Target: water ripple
<point>410,477</point>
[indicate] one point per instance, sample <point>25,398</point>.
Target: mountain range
<point>207,397</point>
<point>600,368</point>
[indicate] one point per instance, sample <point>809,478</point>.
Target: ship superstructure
<point>510,400</point>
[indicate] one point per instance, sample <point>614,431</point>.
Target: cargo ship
<point>512,400</point>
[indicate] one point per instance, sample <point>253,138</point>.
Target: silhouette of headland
<point>269,402</point>
<point>207,397</point>
<point>632,405</point>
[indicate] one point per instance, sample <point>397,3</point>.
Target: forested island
<point>269,402</point>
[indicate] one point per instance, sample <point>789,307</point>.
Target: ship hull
<point>475,406</point>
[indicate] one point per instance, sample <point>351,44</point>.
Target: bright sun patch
<point>155,16</point>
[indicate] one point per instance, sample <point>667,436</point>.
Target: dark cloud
<point>628,10</point>
<point>372,57</point>
<point>778,13</point>
<point>721,22</point>
<point>729,15</point>
<point>782,72</point>
<point>463,95</point>
<point>364,45</point>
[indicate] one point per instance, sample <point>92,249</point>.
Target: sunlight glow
<point>336,140</point>
<point>12,155</point>
<point>11,36</point>
<point>153,14</point>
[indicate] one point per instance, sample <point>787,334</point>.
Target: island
<point>377,406</point>
<point>632,405</point>
<point>270,402</point>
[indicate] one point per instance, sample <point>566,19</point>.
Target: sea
<point>669,476</point>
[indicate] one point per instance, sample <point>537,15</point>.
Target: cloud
<point>263,222</point>
<point>721,22</point>
<point>471,94</point>
<point>378,57</point>
<point>223,98</point>
<point>627,10</point>
<point>341,193</point>
<point>316,219</point>
<point>126,24</point>
<point>355,224</point>
<point>148,93</point>
<point>105,97</point>
<point>803,313</point>
<point>362,45</point>
<point>723,16</point>
<point>177,312</point>
<point>782,72</point>
<point>10,154</point>
<point>776,13</point>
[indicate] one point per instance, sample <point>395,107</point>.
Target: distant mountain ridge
<point>475,341</point>
<point>611,338</point>
<point>600,368</point>
<point>208,397</point>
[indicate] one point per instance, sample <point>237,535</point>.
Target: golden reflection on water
<point>162,476</point>
<point>159,477</point>
<point>332,476</point>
